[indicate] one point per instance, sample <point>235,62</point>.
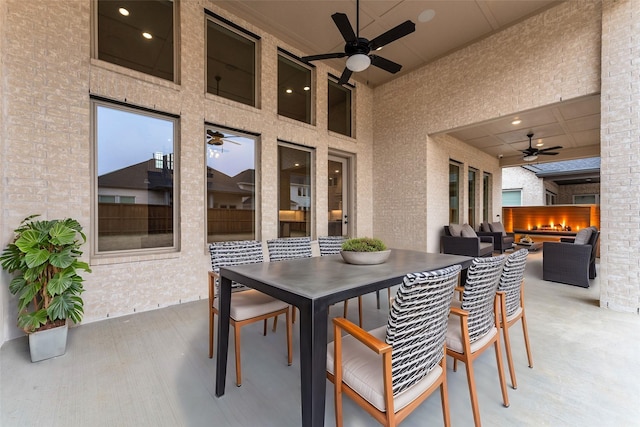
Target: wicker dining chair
<point>512,305</point>
<point>412,349</point>
<point>474,325</point>
<point>247,305</point>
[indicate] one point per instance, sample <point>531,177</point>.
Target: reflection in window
<point>231,185</point>
<point>454,193</point>
<point>231,61</point>
<point>137,34</point>
<point>472,196</point>
<point>339,100</point>
<point>135,168</point>
<point>294,89</point>
<point>512,197</point>
<point>486,196</point>
<point>294,181</point>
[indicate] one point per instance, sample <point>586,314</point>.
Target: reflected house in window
<point>230,205</point>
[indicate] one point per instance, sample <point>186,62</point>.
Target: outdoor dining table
<point>312,285</point>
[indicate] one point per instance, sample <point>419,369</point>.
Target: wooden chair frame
<point>390,417</point>
<point>467,357</point>
<point>237,325</point>
<point>506,324</point>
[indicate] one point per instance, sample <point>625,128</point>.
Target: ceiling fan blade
<point>547,153</point>
<point>346,75</point>
<point>385,64</point>
<point>344,26</point>
<point>233,142</point>
<point>557,147</point>
<point>323,56</point>
<point>407,27</point>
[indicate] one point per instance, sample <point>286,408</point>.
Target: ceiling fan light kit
<point>531,154</point>
<point>358,62</point>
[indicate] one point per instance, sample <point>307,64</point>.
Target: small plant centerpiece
<point>365,250</point>
<point>44,258</point>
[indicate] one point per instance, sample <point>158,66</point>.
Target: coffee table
<point>531,247</point>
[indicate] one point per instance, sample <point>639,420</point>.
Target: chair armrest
<point>568,239</point>
<point>486,239</point>
<point>361,335</point>
<point>459,312</point>
<point>469,246</point>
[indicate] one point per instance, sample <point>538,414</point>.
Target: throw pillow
<point>583,236</point>
<point>468,231</point>
<point>485,227</point>
<point>497,227</point>
<point>455,230</point>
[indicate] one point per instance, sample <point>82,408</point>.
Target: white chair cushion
<point>455,230</point>
<point>515,314</point>
<point>454,335</point>
<point>362,371</point>
<point>468,231</point>
<point>252,303</point>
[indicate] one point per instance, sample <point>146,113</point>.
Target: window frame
<point>511,190</point>
<point>312,184</point>
<point>98,101</point>
<point>351,90</point>
<point>459,194</point>
<point>241,32</point>
<point>312,86</point>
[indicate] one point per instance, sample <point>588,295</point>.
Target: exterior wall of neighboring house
<point>566,192</point>
<point>532,188</point>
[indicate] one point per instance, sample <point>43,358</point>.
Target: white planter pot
<point>365,258</point>
<point>48,343</point>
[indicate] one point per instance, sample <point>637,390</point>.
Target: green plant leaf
<point>60,282</point>
<point>62,235</point>
<point>65,306</point>
<point>36,257</point>
<point>62,259</point>
<point>30,322</point>
<point>27,293</point>
<point>30,239</point>
<point>33,274</point>
<point>12,258</point>
<point>81,265</point>
<point>17,284</point>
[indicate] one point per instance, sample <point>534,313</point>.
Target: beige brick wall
<point>620,163</point>
<point>48,75</point>
<point>566,192</point>
<point>550,57</point>
<point>532,187</point>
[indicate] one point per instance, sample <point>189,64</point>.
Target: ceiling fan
<point>218,138</point>
<point>531,154</point>
<point>358,49</point>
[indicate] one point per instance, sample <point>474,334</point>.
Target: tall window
<point>549,198</point>
<point>294,89</point>
<point>339,99</point>
<point>136,178</point>
<point>295,190</point>
<point>486,196</point>
<point>454,193</point>
<point>231,61</point>
<point>138,34</point>
<point>231,185</point>
<point>473,180</point>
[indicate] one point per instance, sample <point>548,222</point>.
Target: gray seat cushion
<point>583,236</point>
<point>497,227</point>
<point>486,248</point>
<point>467,231</point>
<point>455,230</point>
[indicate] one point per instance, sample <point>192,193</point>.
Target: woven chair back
<point>479,294</point>
<point>417,324</point>
<point>330,245</point>
<point>511,279</point>
<point>229,254</point>
<point>289,248</point>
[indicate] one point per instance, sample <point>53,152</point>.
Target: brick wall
<point>620,163</point>
<point>520,178</point>
<point>47,77</point>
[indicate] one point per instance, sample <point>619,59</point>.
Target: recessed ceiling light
<point>306,88</point>
<point>147,36</point>
<point>123,11</point>
<point>516,122</point>
<point>426,15</point>
<point>289,90</point>
<point>296,164</point>
<point>539,143</point>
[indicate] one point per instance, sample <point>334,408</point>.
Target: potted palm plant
<point>44,259</point>
<point>364,250</point>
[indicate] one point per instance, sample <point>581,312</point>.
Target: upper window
<point>454,192</point>
<point>294,195</point>
<point>472,193</point>
<point>231,185</point>
<point>339,99</point>
<point>231,61</point>
<point>138,34</point>
<point>512,197</point>
<point>294,89</point>
<point>136,168</point>
<point>592,199</point>
<point>486,196</point>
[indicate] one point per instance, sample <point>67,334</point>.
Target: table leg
<point>222,350</point>
<point>313,363</point>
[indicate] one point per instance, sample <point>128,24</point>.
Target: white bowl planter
<point>365,258</point>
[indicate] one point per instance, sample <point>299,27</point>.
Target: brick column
<point>620,151</point>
